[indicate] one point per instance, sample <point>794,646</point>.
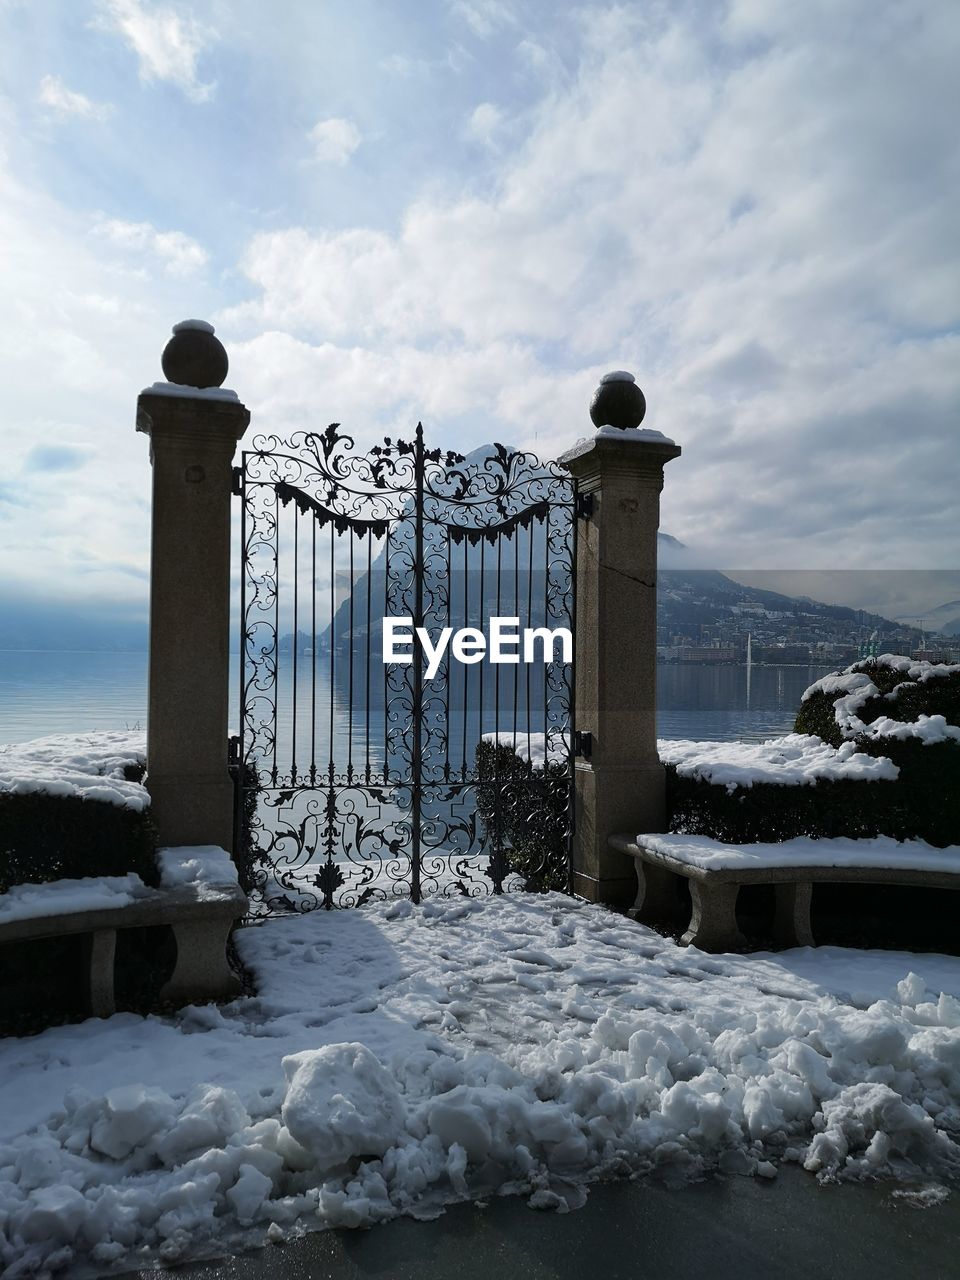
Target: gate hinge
<point>584,506</point>
<point>233,751</point>
<point>582,744</point>
<point>236,486</point>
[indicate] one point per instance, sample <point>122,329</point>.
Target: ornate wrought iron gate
<point>367,778</point>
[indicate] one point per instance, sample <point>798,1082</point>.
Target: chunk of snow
<point>130,1115</point>
<point>197,865</point>
<point>341,1102</point>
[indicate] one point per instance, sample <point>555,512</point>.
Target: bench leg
<point>201,971</point>
<point>103,946</point>
<point>713,921</point>
<point>792,921</point>
<point>656,893</point>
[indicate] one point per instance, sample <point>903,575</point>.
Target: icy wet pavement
<point>719,1229</point>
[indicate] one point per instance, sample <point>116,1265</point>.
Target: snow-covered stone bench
<point>199,897</point>
<point>716,871</point>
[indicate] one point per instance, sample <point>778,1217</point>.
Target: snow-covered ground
<point>399,1057</point>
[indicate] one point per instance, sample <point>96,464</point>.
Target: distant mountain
<point>47,625</point>
<point>945,619</point>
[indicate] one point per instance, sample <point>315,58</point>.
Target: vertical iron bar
<point>296,632</point>
<point>530,536</point>
<point>313,653</point>
<point>571,755</point>
<point>466,668</point>
<point>516,602</point>
<point>276,632</point>
<point>367,694</point>
<point>447,670</point>
<point>350,680</point>
<point>242,725</point>
<point>480,624</point>
<point>333,642</point>
<point>417,664</point>
<point>386,669</point>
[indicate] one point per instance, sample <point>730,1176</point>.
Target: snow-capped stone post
<point>619,779</point>
<point>194,425</point>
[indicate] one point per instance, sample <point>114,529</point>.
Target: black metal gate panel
<point>363,779</point>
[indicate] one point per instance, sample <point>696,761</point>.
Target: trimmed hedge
<point>45,837</point>
<point>913,698</point>
<point>923,803</point>
<point>927,793</point>
<point>528,807</point>
<point>768,813</point>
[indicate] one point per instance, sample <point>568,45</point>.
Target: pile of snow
<point>797,759</point>
<point>87,765</point>
<point>200,866</point>
<point>401,1057</point>
<point>876,852</point>
<point>856,689</point>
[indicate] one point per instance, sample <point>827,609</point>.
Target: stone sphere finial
<point>618,402</point>
<point>194,356</point>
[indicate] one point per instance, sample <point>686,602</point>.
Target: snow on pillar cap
<point>203,325</point>
<point>194,356</point>
<point>618,402</point>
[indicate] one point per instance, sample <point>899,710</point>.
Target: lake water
<point>47,692</point>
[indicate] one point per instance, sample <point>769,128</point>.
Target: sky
<point>465,212</point>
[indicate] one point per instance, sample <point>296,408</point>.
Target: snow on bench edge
<point>63,897</point>
<point>875,853</point>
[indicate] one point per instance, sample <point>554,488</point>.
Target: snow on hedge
<point>855,689</point>
<point>87,765</point>
<point>400,1057</point>
<point>530,746</point>
<point>797,759</point>
<point>794,760</point>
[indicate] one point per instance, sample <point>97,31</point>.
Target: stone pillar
<point>193,427</point>
<point>620,784</point>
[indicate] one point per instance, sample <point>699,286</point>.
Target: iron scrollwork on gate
<point>367,776</point>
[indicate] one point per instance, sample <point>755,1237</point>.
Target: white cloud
<point>66,102</point>
<point>334,140</point>
<point>753,220</point>
<point>179,253</point>
<point>484,17</point>
<point>167,43</point>
<point>485,124</point>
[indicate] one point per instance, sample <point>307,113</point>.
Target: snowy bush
<point>74,806</point>
<point>908,712</point>
<point>528,801</point>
